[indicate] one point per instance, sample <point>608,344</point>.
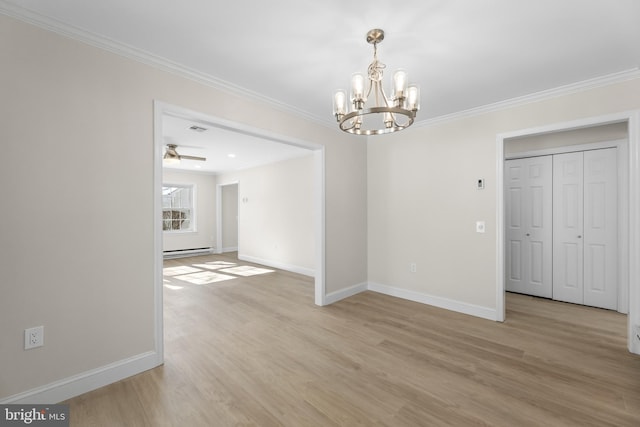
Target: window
<point>177,208</point>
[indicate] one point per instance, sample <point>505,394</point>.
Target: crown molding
<point>596,82</point>
<point>152,60</point>
<point>175,68</point>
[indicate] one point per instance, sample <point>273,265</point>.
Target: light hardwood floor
<point>256,351</point>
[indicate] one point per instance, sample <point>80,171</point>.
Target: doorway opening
<point>564,222</point>
<point>227,230</point>
<point>162,110</point>
<point>628,250</point>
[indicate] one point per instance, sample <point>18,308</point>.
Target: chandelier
<point>372,112</point>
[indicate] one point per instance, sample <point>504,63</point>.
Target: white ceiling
<point>225,150</point>
<point>463,53</point>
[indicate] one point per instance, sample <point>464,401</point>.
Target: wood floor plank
<point>255,351</point>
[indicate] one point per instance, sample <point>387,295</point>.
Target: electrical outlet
<point>413,267</point>
<point>33,337</point>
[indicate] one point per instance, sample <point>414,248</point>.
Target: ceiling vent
<point>197,128</point>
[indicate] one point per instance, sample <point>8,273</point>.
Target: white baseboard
<point>448,304</point>
<point>279,265</point>
<point>230,249</point>
<point>76,385</point>
<point>332,297</point>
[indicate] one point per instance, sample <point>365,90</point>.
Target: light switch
<point>480,226</point>
<point>480,184</point>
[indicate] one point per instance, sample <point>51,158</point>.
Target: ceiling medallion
<point>372,111</point>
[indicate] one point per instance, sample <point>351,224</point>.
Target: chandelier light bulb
<point>400,84</point>
<point>340,103</point>
<point>357,87</point>
<point>413,98</point>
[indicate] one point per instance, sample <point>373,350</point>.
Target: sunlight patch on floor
<point>246,270</point>
<point>209,272</point>
<point>215,265</point>
<point>183,269</point>
<point>204,277</point>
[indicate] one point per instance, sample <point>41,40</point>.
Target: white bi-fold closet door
<point>585,221</point>
<point>561,232</point>
<point>529,219</point>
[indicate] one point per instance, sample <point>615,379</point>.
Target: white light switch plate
<point>480,226</point>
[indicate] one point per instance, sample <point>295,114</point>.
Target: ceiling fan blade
<point>202,159</point>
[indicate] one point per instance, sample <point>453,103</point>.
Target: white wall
<point>423,204</point>
<point>77,251</point>
<point>204,235</point>
<point>276,214</point>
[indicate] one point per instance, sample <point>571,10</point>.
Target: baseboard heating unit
<point>179,253</point>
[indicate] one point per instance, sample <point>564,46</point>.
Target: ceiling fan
<point>171,156</point>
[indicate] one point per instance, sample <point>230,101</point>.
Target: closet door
<point>585,228</point>
<point>529,225</point>
<point>568,227</point>
<point>600,228</point>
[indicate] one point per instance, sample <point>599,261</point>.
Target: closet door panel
<point>514,233</point>
<point>539,225</point>
<point>600,228</point>
<point>528,225</point>
<point>567,228</point>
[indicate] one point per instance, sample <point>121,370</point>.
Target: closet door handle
<point>579,236</point>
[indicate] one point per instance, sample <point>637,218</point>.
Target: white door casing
<point>629,211</point>
<point>528,196</point>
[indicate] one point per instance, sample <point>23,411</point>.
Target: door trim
<point>631,271</point>
<point>622,147</point>
<point>159,110</point>
<point>614,143</point>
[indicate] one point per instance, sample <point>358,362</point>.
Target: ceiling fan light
<point>168,159</point>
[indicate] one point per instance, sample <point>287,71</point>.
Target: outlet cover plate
<point>33,337</point>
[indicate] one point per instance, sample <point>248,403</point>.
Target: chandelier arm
<point>384,96</point>
<point>378,88</point>
<point>395,122</point>
<point>347,129</point>
<point>370,87</point>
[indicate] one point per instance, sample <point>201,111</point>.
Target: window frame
<point>192,220</point>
